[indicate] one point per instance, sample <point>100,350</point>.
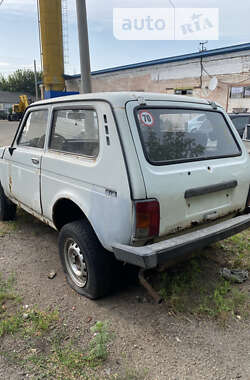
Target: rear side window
<point>240,123</point>
<point>75,131</point>
<point>34,130</point>
<point>173,135</point>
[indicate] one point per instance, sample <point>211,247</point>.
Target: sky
<point>19,37</point>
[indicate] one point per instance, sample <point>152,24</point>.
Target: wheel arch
<point>66,210</point>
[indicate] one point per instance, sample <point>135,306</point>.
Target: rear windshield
<point>173,135</point>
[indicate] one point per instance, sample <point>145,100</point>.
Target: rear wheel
<point>88,266</point>
<point>7,208</point>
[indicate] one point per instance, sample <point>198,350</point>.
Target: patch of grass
<point>67,360</point>
<point>7,228</point>
<point>178,284</point>
<point>224,300</point>
<point>41,338</point>
<point>197,288</point>
<point>39,322</point>
<point>11,324</point>
<point>36,323</point>
<point>7,292</point>
<point>237,249</point>
<point>130,374</point>
<point>60,360</point>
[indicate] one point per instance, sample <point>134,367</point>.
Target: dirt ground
<point>149,341</point>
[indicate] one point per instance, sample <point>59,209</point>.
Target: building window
<point>247,92</point>
<point>240,92</point>
<point>185,91</point>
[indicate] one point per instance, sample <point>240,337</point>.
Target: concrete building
<point>7,99</point>
<point>188,74</point>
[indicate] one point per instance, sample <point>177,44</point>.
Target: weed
<point>36,323</point>
<point>7,293</point>
<point>98,345</point>
<point>237,249</point>
<point>224,300</point>
<point>194,288</point>
<point>68,358</point>
<point>177,285</point>
<point>130,374</point>
<point>40,321</point>
<point>10,325</point>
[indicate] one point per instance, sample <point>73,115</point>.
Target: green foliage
<point>36,323</point>
<point>39,322</point>
<point>193,288</point>
<point>177,286</point>
<point>20,81</point>
<point>10,325</point>
<point>6,292</point>
<point>69,358</point>
<point>237,249</point>
<point>224,300</point>
<point>98,345</point>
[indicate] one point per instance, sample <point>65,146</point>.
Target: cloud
<point>14,7</point>
<point>4,64</point>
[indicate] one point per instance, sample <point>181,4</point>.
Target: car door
<point>24,160</point>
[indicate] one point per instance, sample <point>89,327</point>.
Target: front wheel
<point>7,208</point>
<point>88,266</point>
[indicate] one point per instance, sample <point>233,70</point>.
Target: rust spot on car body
<point>10,184</point>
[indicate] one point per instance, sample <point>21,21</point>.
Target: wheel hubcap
<point>75,263</point>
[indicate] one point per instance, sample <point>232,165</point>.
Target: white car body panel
<point>105,187</point>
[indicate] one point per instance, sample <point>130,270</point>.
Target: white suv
<point>122,176</point>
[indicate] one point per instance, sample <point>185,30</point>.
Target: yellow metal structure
<point>22,105</point>
<point>52,44</point>
<point>18,109</point>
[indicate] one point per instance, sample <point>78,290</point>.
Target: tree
<point>20,81</point>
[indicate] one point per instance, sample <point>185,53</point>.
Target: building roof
<point>179,58</point>
<point>119,99</point>
<point>9,97</point>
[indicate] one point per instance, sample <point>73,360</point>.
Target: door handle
<point>35,161</point>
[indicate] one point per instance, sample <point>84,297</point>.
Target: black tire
<point>7,208</point>
<point>99,265</point>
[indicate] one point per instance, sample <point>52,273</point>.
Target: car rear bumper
<point>176,248</point>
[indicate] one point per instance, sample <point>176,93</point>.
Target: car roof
<point>119,99</point>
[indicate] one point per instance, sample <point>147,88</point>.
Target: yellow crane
<point>18,109</point>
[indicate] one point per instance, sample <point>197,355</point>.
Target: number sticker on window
<point>146,118</point>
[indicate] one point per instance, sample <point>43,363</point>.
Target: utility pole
<point>35,73</point>
<point>202,49</point>
<point>83,46</point>
<point>174,7</point>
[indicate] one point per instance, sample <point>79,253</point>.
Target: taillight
<point>248,202</point>
<point>147,219</point>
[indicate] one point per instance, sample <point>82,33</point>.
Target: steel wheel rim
<point>75,263</point>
